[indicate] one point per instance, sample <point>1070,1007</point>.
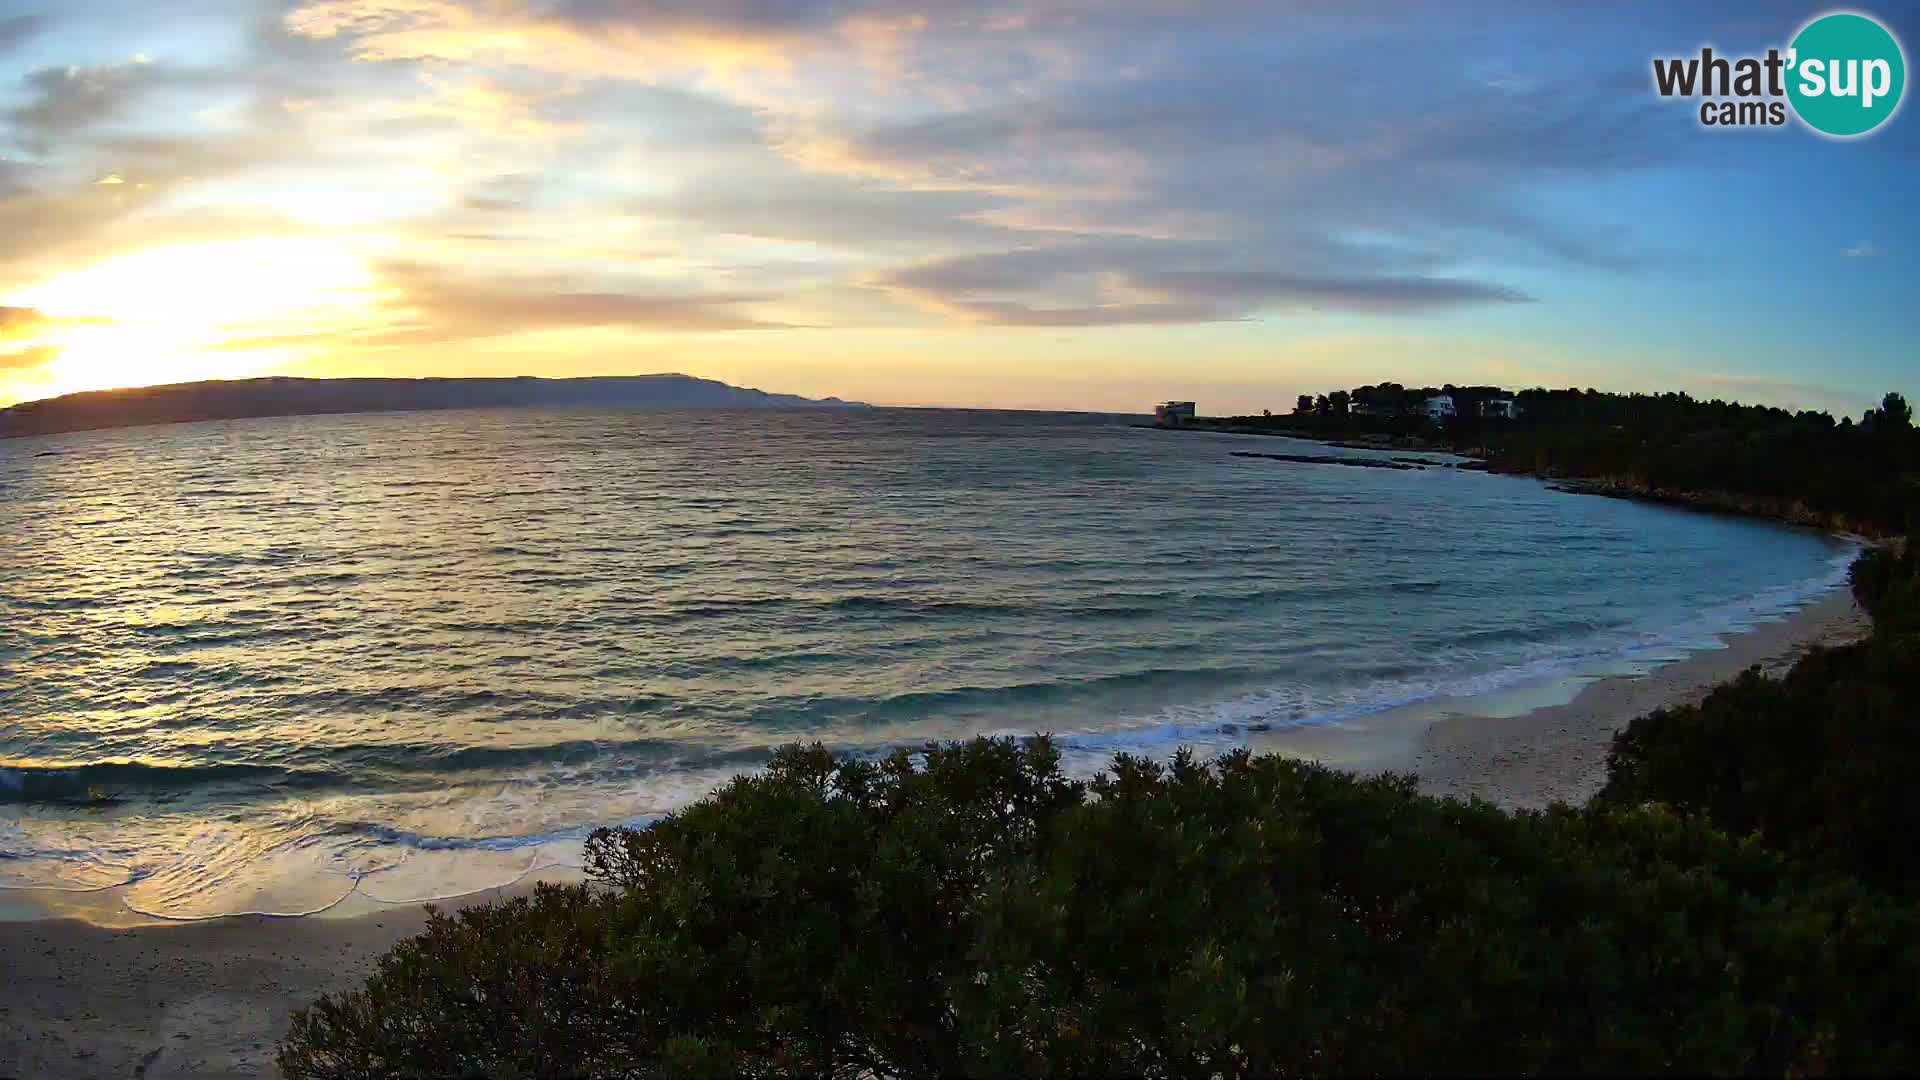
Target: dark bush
<point>1756,459</point>
<point>1886,582</point>
<point>972,911</point>
<point>1822,764</point>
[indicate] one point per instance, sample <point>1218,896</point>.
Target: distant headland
<point>244,398</point>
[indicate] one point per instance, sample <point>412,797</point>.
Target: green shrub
<point>1822,764</point>
<point>970,910</point>
<point>1886,582</point>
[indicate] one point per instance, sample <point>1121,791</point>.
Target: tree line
<point>1803,465</point>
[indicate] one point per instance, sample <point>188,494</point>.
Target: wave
<point>386,706</point>
<point>392,864</point>
<point>120,781</point>
<point>153,912</point>
<point>615,756</point>
<point>785,713</point>
<point>1540,653</point>
<point>220,492</point>
<point>387,834</point>
<point>1634,649</point>
<point>1116,605</point>
<point>60,603</point>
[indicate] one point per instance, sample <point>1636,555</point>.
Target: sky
<point>1072,204</point>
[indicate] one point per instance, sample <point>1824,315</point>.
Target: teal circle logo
<point>1845,74</point>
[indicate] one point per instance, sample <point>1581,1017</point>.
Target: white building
<point>1173,413</point>
<point>1505,408</point>
<point>1440,407</point>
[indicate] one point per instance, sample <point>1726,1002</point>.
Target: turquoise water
<point>267,665</point>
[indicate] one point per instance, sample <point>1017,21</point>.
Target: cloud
<point>487,106</point>
<point>1081,119</point>
<point>180,140</point>
<point>450,29</point>
<point>432,304</point>
<point>619,40</point>
<point>513,191</point>
<point>55,222</point>
<point>18,324</point>
<point>875,162</point>
<point>1373,295</point>
<point>64,100</point>
<point>24,326</point>
<point>29,358</point>
<point>744,18</point>
<point>1116,284</point>
<point>1204,142</point>
<point>15,29</point>
<point>831,212</point>
<point>1865,249</point>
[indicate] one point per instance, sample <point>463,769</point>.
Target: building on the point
<point>1503,408</point>
<point>1173,413</point>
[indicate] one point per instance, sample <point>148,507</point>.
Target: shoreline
<point>206,998</point>
<point>107,909</point>
<point>1356,441</point>
<point>1557,752</point>
<point>1753,507</point>
<point>213,997</point>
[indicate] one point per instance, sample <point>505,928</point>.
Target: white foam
<point>300,859</point>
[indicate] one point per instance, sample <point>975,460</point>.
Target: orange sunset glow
<point>1012,204</point>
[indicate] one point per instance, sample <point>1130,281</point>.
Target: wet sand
<point>199,999</point>
<point>1559,753</point>
<point>211,999</point>
<point>206,999</point>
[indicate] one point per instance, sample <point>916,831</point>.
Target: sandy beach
<point>199,999</point>
<point>211,999</point>
<point>1559,753</point>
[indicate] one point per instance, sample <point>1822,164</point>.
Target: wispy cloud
<point>15,29</point>
<point>653,168</point>
<point>487,106</point>
<point>433,304</point>
<point>67,99</point>
<point>26,359</point>
<point>1865,249</point>
<point>23,326</point>
<point>19,324</point>
<point>1143,282</point>
<point>875,129</point>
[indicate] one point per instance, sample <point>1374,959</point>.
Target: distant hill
<point>232,400</point>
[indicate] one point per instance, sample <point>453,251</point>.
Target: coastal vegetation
<point>1740,896</point>
<point>1823,763</point>
<point>1733,902</point>
<point>1806,466</point>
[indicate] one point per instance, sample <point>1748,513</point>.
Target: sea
<point>284,665</point>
